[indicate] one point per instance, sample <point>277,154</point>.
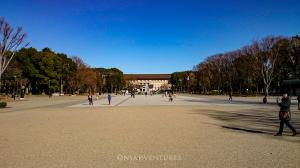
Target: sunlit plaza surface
<point>146,131</point>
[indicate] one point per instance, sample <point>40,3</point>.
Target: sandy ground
<point>192,131</point>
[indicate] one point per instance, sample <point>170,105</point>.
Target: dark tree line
<point>257,68</point>
<point>45,71</point>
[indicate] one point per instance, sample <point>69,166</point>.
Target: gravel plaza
<point>146,131</point>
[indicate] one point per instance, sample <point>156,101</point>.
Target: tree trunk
<point>0,83</point>
<point>266,90</point>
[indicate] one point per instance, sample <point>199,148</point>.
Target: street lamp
<point>111,84</point>
<point>187,79</point>
<point>104,81</point>
<point>49,88</point>
<point>180,85</point>
<point>15,88</point>
<point>65,66</point>
<point>110,78</point>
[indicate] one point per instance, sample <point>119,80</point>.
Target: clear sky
<point>149,36</point>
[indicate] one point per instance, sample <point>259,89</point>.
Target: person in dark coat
<point>230,97</point>
<point>90,99</point>
<point>298,98</point>
<point>285,114</point>
<point>109,98</point>
<point>170,97</point>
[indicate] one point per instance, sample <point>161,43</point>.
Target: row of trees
<point>256,68</point>
<point>46,72</point>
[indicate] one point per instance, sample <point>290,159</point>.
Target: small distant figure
<point>298,98</point>
<point>285,114</point>
<point>146,93</point>
<point>132,95</point>
<point>230,97</point>
<point>90,99</point>
<point>265,100</point>
<point>170,97</point>
<point>109,98</point>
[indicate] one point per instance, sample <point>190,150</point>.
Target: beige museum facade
<point>148,82</point>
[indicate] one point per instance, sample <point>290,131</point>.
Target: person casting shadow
<point>285,114</point>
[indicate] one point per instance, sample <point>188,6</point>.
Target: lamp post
<point>180,85</point>
<point>49,88</point>
<point>110,78</point>
<point>15,88</point>
<point>188,79</point>
<point>111,84</point>
<point>64,69</point>
<point>104,81</point>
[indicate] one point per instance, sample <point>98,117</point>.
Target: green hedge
<point>3,104</point>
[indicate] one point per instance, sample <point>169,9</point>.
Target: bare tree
<point>10,41</point>
<point>266,55</point>
<point>205,76</point>
<point>294,50</point>
<point>228,67</point>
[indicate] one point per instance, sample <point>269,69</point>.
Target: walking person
<point>90,99</point>
<point>109,98</point>
<point>230,97</point>
<point>132,94</point>
<point>170,97</point>
<point>298,98</point>
<point>285,114</point>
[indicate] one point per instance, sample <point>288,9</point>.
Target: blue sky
<point>149,36</point>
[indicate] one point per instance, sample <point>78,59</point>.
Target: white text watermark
<point>149,157</point>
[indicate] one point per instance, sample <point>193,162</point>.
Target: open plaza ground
<point>146,131</point>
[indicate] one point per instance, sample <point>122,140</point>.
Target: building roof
<point>147,76</point>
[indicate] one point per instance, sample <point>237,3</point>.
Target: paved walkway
<point>179,100</point>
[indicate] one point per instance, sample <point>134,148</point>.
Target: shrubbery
<point>3,104</point>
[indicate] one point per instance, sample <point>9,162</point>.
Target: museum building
<point>148,82</point>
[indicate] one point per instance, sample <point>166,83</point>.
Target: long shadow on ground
<point>226,102</point>
<point>257,121</point>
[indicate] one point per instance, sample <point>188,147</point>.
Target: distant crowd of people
<point>168,94</point>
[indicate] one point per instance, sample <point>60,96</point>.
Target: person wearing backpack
<point>285,114</point>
